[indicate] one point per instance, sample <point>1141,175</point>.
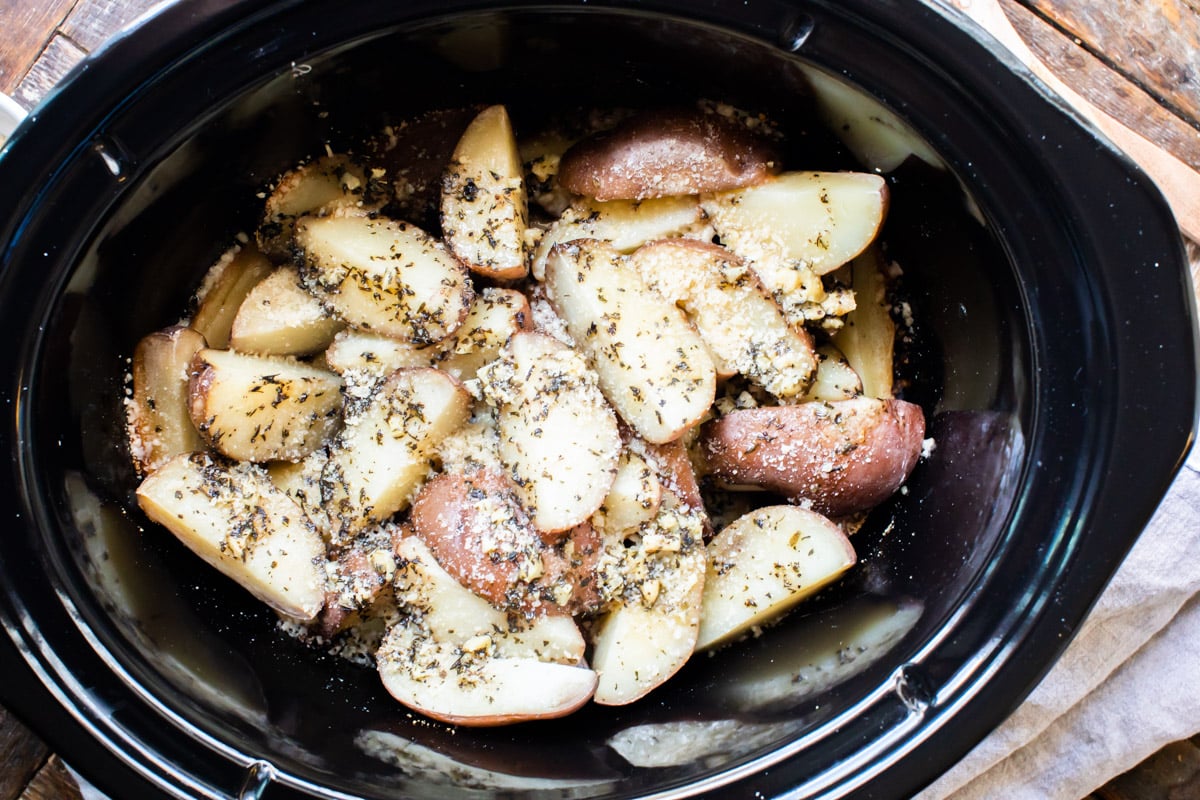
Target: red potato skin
<point>665,154</point>
<point>447,517</point>
<point>842,457</point>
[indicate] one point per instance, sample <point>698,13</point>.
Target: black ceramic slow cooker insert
<point>1055,365</point>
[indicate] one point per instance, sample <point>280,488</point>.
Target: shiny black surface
<point>1034,356</point>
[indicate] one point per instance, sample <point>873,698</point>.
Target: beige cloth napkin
<point>1124,688</point>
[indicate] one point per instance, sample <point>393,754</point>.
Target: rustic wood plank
<point>21,755</point>
<point>27,27</point>
<point>1106,89</point>
<point>94,21</point>
<point>52,65</point>
<point>1154,43</point>
<point>1172,773</point>
<point>52,782</point>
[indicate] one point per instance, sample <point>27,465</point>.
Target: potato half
<point>763,564</point>
<point>234,518</point>
<point>223,291</point>
<point>260,408</point>
<point>841,457</point>
<point>159,423</point>
<point>652,364</point>
<point>318,187</point>
<point>383,276</point>
<point>279,317</point>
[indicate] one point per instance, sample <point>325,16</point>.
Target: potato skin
<point>667,153</point>
<point>843,457</point>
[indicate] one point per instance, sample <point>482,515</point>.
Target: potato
<point>820,219</point>
<point>359,582</point>
<point>372,355</point>
<point>835,378</point>
<point>456,658</point>
<point>635,495</point>
<point>625,224</point>
<point>301,481</point>
<point>385,277</point>
<point>278,317</point>
<point>159,423</point>
<point>868,338</point>
<point>483,205</point>
<point>260,408</point>
<point>234,518</point>
<point>476,529</point>
<point>223,291</point>
<point>744,330</point>
<point>558,438</point>
<point>841,457</point>
<point>384,451</point>
<point>654,581</point>
<point>667,153</point>
<point>318,188</point>
<point>652,364</point>
<point>763,564</point>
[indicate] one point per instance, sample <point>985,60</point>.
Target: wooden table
<point>1139,61</point>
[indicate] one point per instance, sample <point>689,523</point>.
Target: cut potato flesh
<point>385,449</point>
<point>655,579</point>
<point>483,206</point>
<point>625,224</point>
<point>558,438</point>
<point>373,356</point>
<point>301,481</point>
<point>635,496</point>
<point>456,658</point>
<point>235,519</point>
<point>819,219</point>
<point>651,363</point>
<point>319,187</point>
<point>763,564</point>
<point>665,154</point>
<point>256,408</point>
<point>223,291</point>
<point>160,425</point>
<point>278,317</point>
<point>868,337</point>
<point>743,327</point>
<point>840,457</point>
<point>386,277</point>
<point>835,378</point>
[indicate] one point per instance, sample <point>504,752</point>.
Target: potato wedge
<point>634,498</point>
<point>763,564</point>
<point>558,438</point>
<point>483,204</point>
<point>371,355</point>
<point>318,187</point>
<point>654,579</point>
<point>476,529</point>
<point>223,291</point>
<point>385,277</point>
<point>737,319</point>
<point>159,423</point>
<point>280,318</point>
<point>234,518</point>
<point>384,451</point>
<point>667,153</point>
<point>456,658</point>
<point>625,224</point>
<point>820,219</point>
<point>301,481</point>
<point>259,408</point>
<point>868,338</point>
<point>840,457</point>
<point>652,364</point>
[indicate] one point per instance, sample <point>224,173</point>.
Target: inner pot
<point>1016,267</point>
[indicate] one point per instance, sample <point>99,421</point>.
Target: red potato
<point>843,457</point>
<point>664,154</point>
<point>476,529</point>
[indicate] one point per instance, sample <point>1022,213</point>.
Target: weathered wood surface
<point>1137,60</point>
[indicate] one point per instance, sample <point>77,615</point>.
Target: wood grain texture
<point>1172,773</point>
<point>93,21</point>
<point>60,55</point>
<point>25,28</point>
<point>21,755</point>
<point>1154,43</point>
<point>53,782</point>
